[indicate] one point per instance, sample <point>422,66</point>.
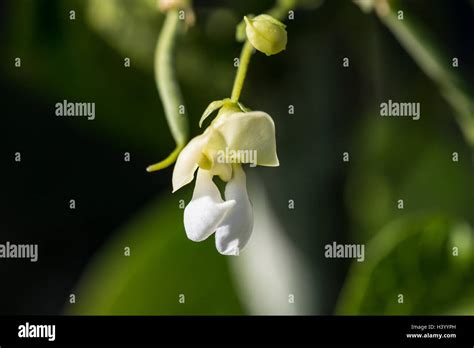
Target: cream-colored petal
<point>188,159</point>
<point>235,229</point>
<point>206,210</point>
<point>252,134</point>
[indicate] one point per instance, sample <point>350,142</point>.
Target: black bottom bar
<point>429,331</point>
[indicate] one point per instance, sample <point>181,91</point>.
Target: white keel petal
<point>206,210</point>
<point>235,230</point>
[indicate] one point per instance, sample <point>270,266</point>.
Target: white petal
<point>235,230</point>
<point>251,133</point>
<point>206,210</point>
<point>187,162</point>
<point>199,152</point>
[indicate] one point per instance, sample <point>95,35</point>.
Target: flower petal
<point>235,230</point>
<point>250,131</point>
<point>223,170</point>
<point>206,210</point>
<point>188,160</point>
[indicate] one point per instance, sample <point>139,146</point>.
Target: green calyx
<point>224,106</point>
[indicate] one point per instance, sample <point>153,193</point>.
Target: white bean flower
<point>234,138</point>
<point>237,136</point>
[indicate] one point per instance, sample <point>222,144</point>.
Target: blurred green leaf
<point>422,173</point>
<point>413,257</point>
<point>129,26</point>
<point>64,59</point>
<point>162,265</point>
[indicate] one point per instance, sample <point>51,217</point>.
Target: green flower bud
<point>266,34</point>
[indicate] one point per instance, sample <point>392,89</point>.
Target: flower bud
<point>266,34</point>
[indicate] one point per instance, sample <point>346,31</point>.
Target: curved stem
<point>244,60</point>
<point>168,87</point>
<point>435,67</point>
<point>167,161</point>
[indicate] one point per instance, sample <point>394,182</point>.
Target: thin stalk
<point>244,60</point>
<point>168,87</point>
<point>280,9</point>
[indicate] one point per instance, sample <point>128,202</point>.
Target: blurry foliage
<point>127,104</point>
<point>162,264</point>
<point>412,161</point>
<point>414,257</point>
<point>395,165</point>
<point>127,109</point>
<point>128,25</point>
<point>426,51</point>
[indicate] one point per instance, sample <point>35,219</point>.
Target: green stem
<point>280,9</point>
<point>167,161</point>
<point>244,60</point>
<point>168,87</point>
<point>436,68</point>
